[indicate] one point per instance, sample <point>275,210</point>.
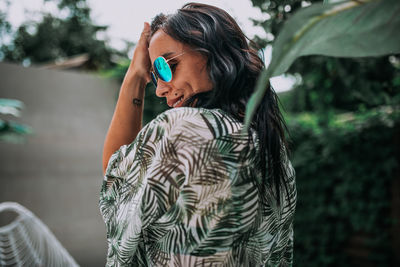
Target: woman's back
<point>187,192</point>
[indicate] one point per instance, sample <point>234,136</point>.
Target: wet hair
<point>233,66</point>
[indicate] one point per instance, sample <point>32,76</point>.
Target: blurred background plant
<point>343,118</point>
<point>11,131</point>
<point>55,37</point>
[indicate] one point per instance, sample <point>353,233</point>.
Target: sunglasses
<point>162,70</point>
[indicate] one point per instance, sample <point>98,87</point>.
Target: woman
<point>190,188</point>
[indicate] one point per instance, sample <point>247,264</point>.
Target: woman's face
<point>189,70</point>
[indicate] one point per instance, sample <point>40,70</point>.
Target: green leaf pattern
<point>186,192</point>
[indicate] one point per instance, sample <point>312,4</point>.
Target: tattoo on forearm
<point>137,102</point>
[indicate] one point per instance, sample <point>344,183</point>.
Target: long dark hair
<point>234,67</point>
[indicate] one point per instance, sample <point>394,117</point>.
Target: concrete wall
<point>57,172</point>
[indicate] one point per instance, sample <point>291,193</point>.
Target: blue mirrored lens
<point>162,69</point>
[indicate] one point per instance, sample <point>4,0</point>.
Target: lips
<point>171,102</point>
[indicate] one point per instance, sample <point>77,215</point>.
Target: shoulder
<point>207,123</point>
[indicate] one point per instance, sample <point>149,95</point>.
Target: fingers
<point>146,26</point>
<point>140,63</point>
<point>144,37</point>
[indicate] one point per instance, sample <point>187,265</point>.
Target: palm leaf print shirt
<point>187,192</point>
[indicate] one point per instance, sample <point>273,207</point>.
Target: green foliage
<point>343,122</point>
<point>11,131</point>
<point>344,173</point>
<point>345,29</point>
<point>5,26</point>
<point>343,84</point>
<point>11,107</point>
<point>329,83</point>
<point>153,105</point>
<point>278,12</point>
<point>55,38</point>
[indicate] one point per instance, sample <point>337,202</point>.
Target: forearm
<point>127,119</point>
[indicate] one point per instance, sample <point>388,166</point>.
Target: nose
<point>162,88</point>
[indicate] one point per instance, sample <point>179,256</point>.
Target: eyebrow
<point>167,54</point>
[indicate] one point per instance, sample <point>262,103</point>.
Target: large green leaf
<point>342,29</point>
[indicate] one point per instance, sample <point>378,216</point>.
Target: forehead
<point>161,43</point>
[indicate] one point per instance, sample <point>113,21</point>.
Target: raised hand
<point>140,63</point>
